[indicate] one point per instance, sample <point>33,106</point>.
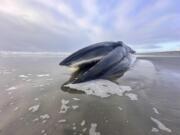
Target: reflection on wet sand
<point>143,101</point>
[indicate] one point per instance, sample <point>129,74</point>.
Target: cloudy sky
<point>67,25</point>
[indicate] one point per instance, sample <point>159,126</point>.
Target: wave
<point>14,53</point>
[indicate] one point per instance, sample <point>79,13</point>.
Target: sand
<point>145,101</point>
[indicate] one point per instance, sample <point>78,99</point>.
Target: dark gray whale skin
<point>113,59</point>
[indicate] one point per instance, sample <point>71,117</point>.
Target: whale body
<point>105,60</point>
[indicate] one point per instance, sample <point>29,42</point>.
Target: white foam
<point>154,130</point>
<point>34,108</point>
<point>23,76</point>
<point>160,125</point>
<point>92,130</point>
<point>62,121</point>
<point>64,106</point>
<point>74,107</point>
<point>41,85</point>
<point>43,131</point>
<point>125,88</point>
<point>43,75</point>
<point>36,99</point>
<point>11,88</point>
<point>101,88</point>
<point>120,108</point>
<point>16,108</point>
<point>132,96</point>
<point>155,110</point>
<point>76,99</point>
<point>36,119</point>
<point>44,116</point>
<point>74,128</point>
<point>83,123</point>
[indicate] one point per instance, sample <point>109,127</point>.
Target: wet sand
<point>33,103</point>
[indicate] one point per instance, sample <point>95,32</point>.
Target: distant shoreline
<point>18,53</point>
<point>161,53</point>
<point>145,54</point>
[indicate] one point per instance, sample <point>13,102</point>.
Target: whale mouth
<point>105,60</point>
<point>82,69</point>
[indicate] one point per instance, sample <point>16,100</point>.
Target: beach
<point>35,101</point>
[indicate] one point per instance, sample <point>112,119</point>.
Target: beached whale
<point>105,60</point>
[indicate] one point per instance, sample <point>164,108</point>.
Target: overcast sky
<point>67,25</point>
